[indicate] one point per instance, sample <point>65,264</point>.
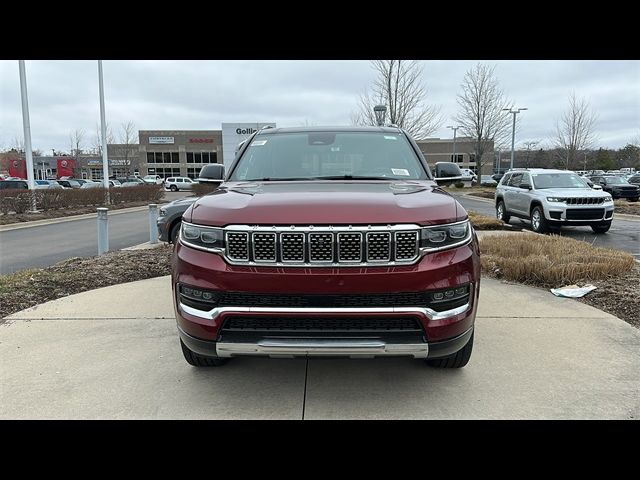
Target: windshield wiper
<point>275,179</point>
<point>351,177</point>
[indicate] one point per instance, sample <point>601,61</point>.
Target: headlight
<point>162,212</point>
<point>555,199</point>
<point>608,198</point>
<point>204,238</point>
<point>441,237</point>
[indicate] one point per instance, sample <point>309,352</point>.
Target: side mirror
<point>212,173</point>
<point>525,186</point>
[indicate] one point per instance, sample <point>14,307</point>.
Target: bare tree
<point>529,146</point>
<point>128,139</point>
<point>97,139</point>
<point>398,85</point>
<point>76,141</point>
<point>575,130</point>
<point>480,114</point>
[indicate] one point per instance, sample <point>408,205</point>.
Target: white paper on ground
<point>573,291</point>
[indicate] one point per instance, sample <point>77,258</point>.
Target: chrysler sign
<point>161,140</point>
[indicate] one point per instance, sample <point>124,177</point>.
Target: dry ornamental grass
<point>550,261</point>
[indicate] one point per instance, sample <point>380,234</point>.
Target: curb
<point>145,246</point>
<point>70,218</point>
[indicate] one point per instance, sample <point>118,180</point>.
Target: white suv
<point>552,198</point>
<point>179,183</point>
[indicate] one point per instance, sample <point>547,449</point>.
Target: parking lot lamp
<point>454,140</point>
<point>103,128</point>
<point>26,125</point>
<point>514,111</point>
<point>380,112</point>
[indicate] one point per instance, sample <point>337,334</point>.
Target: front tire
<point>173,235</point>
<point>539,224</point>
<point>196,360</point>
<point>501,212</point>
<point>457,360</point>
<point>173,188</point>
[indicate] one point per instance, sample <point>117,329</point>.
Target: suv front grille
<point>584,213</point>
<point>584,201</point>
<point>323,246</point>
<point>321,324</point>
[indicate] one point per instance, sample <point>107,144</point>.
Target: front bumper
<point>353,348</point>
<point>201,330</point>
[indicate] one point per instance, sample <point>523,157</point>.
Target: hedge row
<point>19,201</point>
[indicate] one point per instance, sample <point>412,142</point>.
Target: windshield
<point>558,180</point>
<point>329,155</point>
<point>615,180</point>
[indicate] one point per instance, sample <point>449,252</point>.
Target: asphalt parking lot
<point>537,357</point>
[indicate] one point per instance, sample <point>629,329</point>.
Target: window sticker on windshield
<point>400,171</point>
<point>391,137</point>
<point>335,149</point>
<point>258,143</point>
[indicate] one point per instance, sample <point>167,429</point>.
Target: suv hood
<point>572,192</point>
<point>326,203</point>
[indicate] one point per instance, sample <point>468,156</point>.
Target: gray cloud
<point>63,95</point>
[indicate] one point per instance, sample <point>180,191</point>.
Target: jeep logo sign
<point>234,133</point>
<point>246,131</point>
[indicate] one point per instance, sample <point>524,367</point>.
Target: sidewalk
<point>114,353</point>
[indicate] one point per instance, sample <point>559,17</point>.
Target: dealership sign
<point>161,140</point>
<point>201,140</point>
<point>234,133</point>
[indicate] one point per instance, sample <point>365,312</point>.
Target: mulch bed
<point>27,288</point>
<point>30,217</point>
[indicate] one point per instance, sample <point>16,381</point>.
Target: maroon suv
<point>327,242</point>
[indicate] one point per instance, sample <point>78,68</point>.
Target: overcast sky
<point>199,95</point>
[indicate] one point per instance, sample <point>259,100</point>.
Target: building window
<point>96,173</point>
<point>189,157</point>
<point>163,157</point>
<point>202,157</point>
<point>459,158</point>
<point>193,173</point>
<point>168,172</point>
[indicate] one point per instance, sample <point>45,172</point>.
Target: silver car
<point>551,199</point>
<point>179,183</point>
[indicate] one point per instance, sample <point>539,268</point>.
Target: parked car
<point>178,183</point>
<point>170,215</point>
<point>635,180</point>
<point>91,184</point>
<point>157,179</point>
<point>468,175</point>
<point>137,180</point>
<point>617,187</point>
<point>69,183</point>
<point>552,198</point>
<point>356,253</point>
<point>47,184</point>
<point>14,185</point>
<point>497,177</point>
<point>447,173</point>
<point>487,180</point>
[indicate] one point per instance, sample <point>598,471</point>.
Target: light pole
<point>103,131</point>
<point>380,111</point>
<point>514,111</point>
<point>454,140</point>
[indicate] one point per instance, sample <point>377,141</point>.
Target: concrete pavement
<point>114,353</point>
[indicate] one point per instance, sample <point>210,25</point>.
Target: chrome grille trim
<point>235,242</point>
<point>291,236</point>
<point>329,255</point>
<point>372,237</point>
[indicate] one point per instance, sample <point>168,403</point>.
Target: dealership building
<point>171,153</point>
